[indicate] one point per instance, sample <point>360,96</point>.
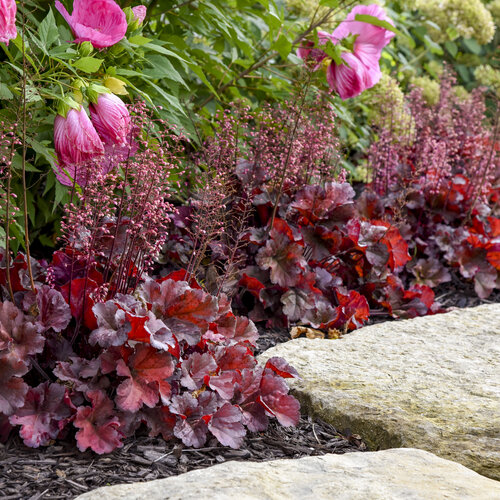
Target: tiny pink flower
<point>76,141</point>
<point>8,29</point>
<point>111,119</point>
<point>139,13</point>
<point>100,22</point>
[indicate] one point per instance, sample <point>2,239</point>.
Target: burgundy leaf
<point>160,421</point>
<point>12,387</point>
<point>195,368</point>
<point>226,426</point>
<point>283,256</point>
<point>98,425</point>
<point>113,327</point>
<point>281,368</point>
<point>44,414</point>
<point>146,373</point>
<point>223,384</point>
<point>53,311</point>
<point>276,401</point>
<point>19,337</point>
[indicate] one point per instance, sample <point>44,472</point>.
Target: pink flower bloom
<point>348,81</point>
<point>8,29</point>
<point>362,69</point>
<point>139,13</point>
<point>370,39</point>
<point>76,142</point>
<point>308,52</point>
<point>101,22</point>
<point>111,119</point>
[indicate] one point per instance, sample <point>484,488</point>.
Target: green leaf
<point>283,46</point>
<point>139,40</point>
<point>472,46</point>
<point>375,21</point>
<point>88,64</point>
<point>5,93</point>
<point>333,4</point>
<point>452,48</point>
<point>48,31</point>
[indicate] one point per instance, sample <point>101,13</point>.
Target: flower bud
<point>111,119</point>
<point>86,49</point>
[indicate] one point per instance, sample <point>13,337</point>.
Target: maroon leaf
<point>53,311</point>
<point>226,426</point>
<point>44,414</point>
<point>19,337</point>
<point>176,299</point>
<point>113,327</point>
<point>195,368</point>
<point>283,256</point>
<point>81,301</point>
<point>223,384</point>
<point>160,421</point>
<point>81,374</point>
<point>12,386</point>
<point>281,368</point>
<point>98,425</point>
<point>276,401</point>
<point>146,373</point>
<point>235,357</point>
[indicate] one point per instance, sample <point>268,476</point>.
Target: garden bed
<point>61,471</point>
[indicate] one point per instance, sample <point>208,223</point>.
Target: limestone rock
<point>431,383</point>
<point>391,474</point>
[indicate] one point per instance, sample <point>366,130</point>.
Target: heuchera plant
<point>171,357</point>
<point>441,179</point>
<point>307,256</point>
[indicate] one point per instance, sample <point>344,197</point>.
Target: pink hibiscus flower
<point>361,69</point>
<point>100,22</point>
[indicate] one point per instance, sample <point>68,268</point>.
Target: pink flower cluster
<point>79,139</point>
<point>360,69</point>
<point>8,31</point>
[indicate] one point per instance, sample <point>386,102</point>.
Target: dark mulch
<point>61,471</point>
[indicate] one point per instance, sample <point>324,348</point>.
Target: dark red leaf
<point>226,426</point>
<point>54,312</point>
<point>98,425</point>
<point>281,368</point>
<point>44,414</point>
<point>146,373</point>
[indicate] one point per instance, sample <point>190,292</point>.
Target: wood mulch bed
<point>61,471</point>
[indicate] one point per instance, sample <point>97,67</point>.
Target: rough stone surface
<point>431,383</point>
<point>390,474</point>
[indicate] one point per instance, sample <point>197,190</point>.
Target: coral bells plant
<point>99,348</point>
<point>304,254</point>
<point>171,357</point>
<point>439,181</point>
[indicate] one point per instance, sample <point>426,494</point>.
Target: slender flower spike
<point>8,29</point>
<point>76,142</point>
<point>100,22</point>
<point>111,119</point>
<point>360,69</point>
<point>139,13</point>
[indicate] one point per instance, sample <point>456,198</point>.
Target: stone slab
<point>405,474</point>
<point>431,383</point>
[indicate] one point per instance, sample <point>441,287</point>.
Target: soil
<point>61,471</point>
